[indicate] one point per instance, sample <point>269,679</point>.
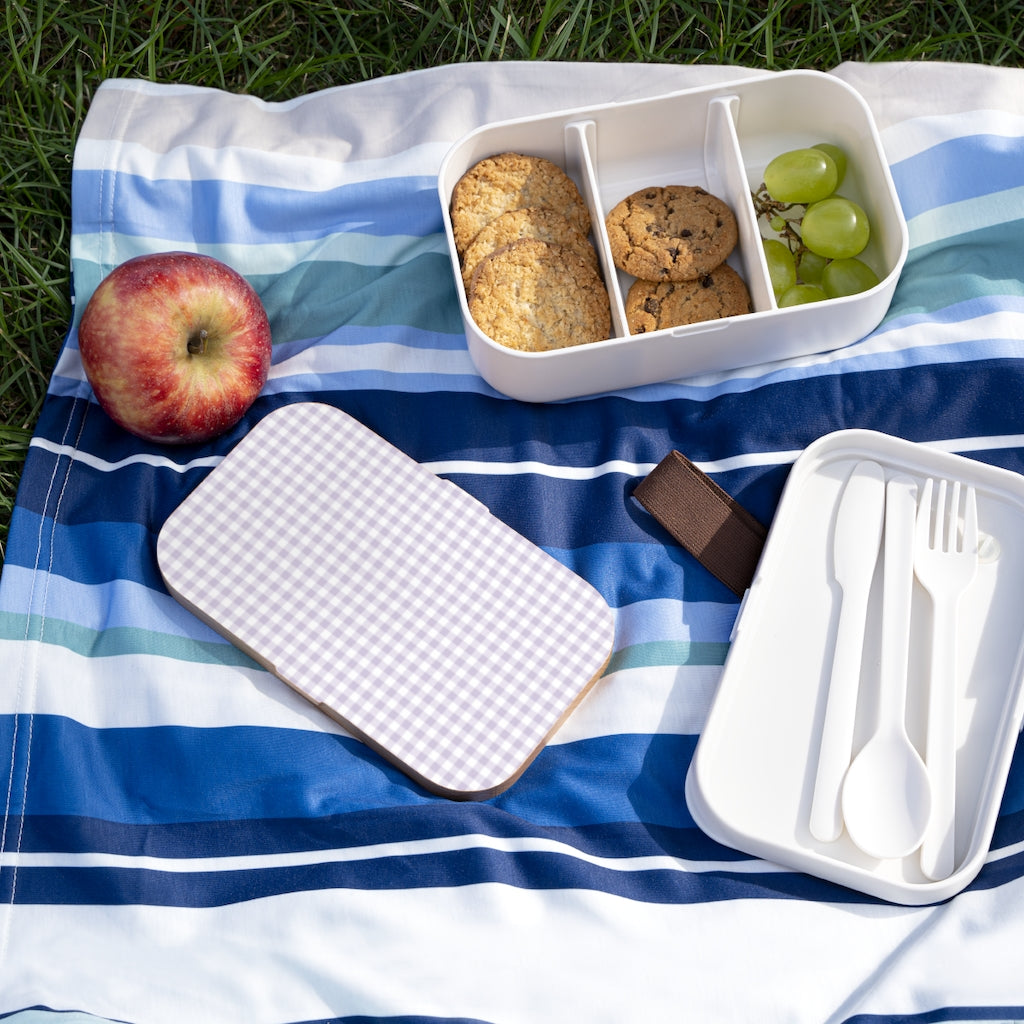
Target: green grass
<point>54,53</point>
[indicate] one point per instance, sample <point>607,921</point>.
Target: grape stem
<point>773,211</point>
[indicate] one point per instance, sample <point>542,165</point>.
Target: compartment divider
<point>581,161</point>
<point>727,177</point>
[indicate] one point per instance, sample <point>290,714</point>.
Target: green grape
<point>847,277</point>
<point>781,265</point>
<point>835,228</point>
<point>801,176</point>
<point>800,294</point>
<point>778,223</point>
<point>810,267</point>
<point>838,158</point>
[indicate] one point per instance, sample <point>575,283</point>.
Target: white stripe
<point>455,467</point>
<point>916,135</point>
<point>1003,852</point>
<point>501,953</point>
<point>468,467</point>
<point>141,459</point>
<point>383,357</point>
<point>410,848</point>
<point>265,258</point>
<point>295,171</point>
<point>345,855</point>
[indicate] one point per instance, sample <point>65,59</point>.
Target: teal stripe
<point>669,652</point>
<point>313,299</point>
<point>119,640</point>
<point>973,265</point>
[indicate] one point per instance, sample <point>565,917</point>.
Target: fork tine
<point>938,534</point>
<point>970,522</point>
<point>953,526</point>
<point>924,516</point>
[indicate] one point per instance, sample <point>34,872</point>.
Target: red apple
<point>176,346</point>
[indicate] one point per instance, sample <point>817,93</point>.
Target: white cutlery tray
<point>751,781</point>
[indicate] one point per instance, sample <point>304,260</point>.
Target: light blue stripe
<point>960,168</point>
<point>212,211</point>
<point>122,604</point>
<point>119,604</point>
<point>666,618</point>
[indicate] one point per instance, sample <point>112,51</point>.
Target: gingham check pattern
<point>394,598</point>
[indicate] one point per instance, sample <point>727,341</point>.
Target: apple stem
<point>197,342</point>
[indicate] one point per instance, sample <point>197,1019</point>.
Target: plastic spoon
<point>887,794</point>
<point>856,538</point>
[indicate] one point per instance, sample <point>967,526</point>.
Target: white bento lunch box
<point>719,138</point>
<point>752,779</point>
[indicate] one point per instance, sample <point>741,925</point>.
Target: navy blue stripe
<point>404,1019</point>
<point>211,211</point>
<point>956,400</point>
<point>970,1014</point>
<point>535,870</point>
<point>373,827</point>
<point>235,773</point>
<point>13,1016</point>
<point>90,552</point>
<point>105,886</point>
<point>949,400</point>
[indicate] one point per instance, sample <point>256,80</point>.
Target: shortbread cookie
<point>651,306</point>
<point>510,181</point>
<point>534,296</point>
<point>671,233</point>
<point>529,222</point>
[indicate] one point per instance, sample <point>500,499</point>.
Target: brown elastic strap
<point>722,535</point>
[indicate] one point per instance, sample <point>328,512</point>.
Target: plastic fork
<point>945,562</point>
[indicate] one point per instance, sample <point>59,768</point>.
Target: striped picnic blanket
<point>185,839</point>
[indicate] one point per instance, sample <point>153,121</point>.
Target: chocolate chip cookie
<point>653,306</point>
<point>671,233</point>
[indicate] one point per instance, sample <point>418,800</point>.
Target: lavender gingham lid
<point>428,627</point>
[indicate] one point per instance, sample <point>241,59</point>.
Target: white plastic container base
<point>719,138</point>
<point>751,781</point>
